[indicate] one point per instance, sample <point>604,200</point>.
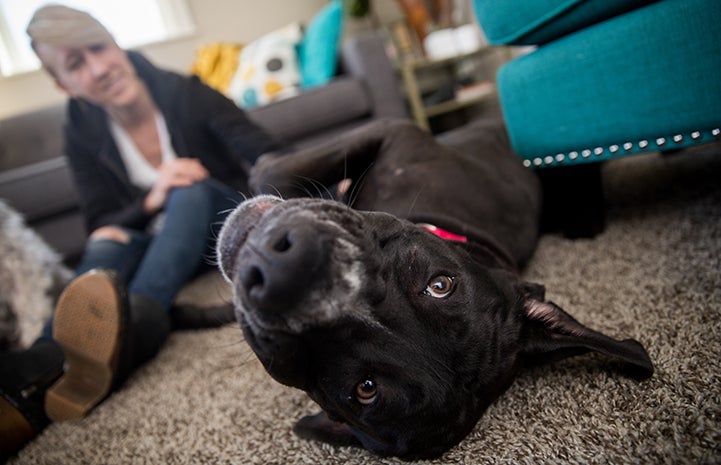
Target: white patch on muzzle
<point>321,307</point>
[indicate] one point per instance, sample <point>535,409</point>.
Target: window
<point>132,23</point>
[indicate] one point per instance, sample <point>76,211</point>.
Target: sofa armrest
<point>40,190</point>
<point>44,194</point>
<point>364,56</point>
<point>343,100</point>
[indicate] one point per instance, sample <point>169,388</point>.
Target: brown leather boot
<point>89,324</point>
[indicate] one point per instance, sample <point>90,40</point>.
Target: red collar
<point>442,233</point>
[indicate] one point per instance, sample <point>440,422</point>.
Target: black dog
<point>403,317</point>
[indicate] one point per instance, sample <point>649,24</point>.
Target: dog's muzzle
<point>236,229</point>
<point>278,268</point>
<point>292,264</point>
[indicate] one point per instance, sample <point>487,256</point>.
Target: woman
<point>157,158</point>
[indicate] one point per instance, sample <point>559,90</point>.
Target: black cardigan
<point>202,124</point>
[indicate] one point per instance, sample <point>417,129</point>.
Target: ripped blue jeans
<point>157,265</point>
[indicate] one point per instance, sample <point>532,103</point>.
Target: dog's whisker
<point>227,210</point>
<point>241,361</point>
<point>345,164</point>
<point>268,186</point>
<point>234,344</point>
<point>307,189</point>
<point>357,185</point>
<point>215,227</point>
<point>303,188</point>
<point>319,187</point>
<point>415,199</point>
<point>234,200</point>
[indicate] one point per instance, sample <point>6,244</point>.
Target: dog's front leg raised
<point>304,172</point>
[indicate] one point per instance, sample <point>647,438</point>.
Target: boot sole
<point>87,325</point>
<point>15,430</point>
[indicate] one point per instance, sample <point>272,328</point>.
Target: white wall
<point>216,20</point>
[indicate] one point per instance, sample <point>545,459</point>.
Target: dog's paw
<point>258,181</point>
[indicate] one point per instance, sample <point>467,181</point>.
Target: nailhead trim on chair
<point>618,149</point>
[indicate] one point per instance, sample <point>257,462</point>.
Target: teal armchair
<point>607,79</point>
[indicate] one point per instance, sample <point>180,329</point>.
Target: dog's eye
<point>441,286</point>
<point>366,392</point>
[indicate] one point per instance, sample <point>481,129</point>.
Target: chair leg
<point>574,202</point>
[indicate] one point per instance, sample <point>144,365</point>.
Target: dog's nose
<point>282,266</point>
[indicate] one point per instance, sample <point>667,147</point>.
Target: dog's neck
<point>481,247</point>
<point>442,233</point>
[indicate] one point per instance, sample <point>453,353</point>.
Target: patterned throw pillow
<point>268,68</point>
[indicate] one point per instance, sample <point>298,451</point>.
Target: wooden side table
<point>470,95</point>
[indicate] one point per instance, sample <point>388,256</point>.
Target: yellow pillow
<point>216,64</point>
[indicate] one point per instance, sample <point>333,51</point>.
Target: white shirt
<point>142,174</point>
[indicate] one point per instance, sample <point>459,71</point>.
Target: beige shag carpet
<point>654,275</point>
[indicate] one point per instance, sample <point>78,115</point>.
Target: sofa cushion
<point>645,80</point>
<point>532,22</point>
<point>342,100</point>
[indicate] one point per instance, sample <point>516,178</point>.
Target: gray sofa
<point>35,180</point>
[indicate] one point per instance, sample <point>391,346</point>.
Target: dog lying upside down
<point>404,316</point>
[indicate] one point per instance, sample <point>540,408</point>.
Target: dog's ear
<point>552,334</point>
<point>321,428</point>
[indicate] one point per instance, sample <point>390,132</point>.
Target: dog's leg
<point>305,171</point>
<point>574,202</point>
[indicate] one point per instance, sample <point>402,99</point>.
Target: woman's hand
<point>181,172</point>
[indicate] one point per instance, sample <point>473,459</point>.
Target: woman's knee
<point>115,248</point>
<point>111,233</point>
